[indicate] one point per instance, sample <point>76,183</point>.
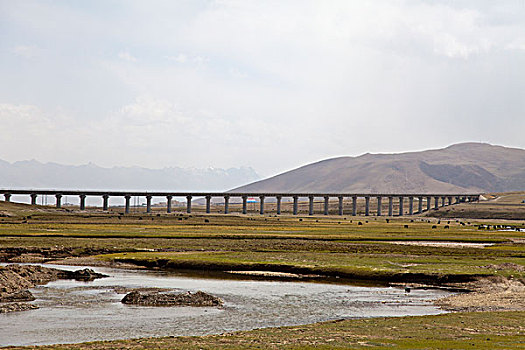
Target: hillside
<point>475,167</point>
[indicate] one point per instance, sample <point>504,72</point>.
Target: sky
<point>268,84</point>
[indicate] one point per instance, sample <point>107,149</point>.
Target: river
<point>72,311</point>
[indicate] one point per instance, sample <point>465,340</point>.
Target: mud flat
<point>495,293</point>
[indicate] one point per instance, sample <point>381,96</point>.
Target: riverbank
<point>15,281</point>
<point>472,330</point>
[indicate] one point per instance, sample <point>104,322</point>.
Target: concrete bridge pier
<point>390,206</point>
<point>295,204</point>
<point>127,198</point>
<point>401,205</point>
<point>33,198</point>
<point>420,205</point>
<point>244,204</point>
<point>278,205</point>
<point>367,206</point>
<point>457,200</point>
<point>226,204</point>
<point>168,205</point>
<point>7,197</point>
<point>148,204</point>
<point>208,204</point>
<point>58,200</point>
<point>261,211</point>
<point>82,202</point>
<point>326,200</point>
<point>188,204</point>
<point>379,198</point>
<point>410,205</point>
<point>105,202</point>
<point>442,201</point>
<point>429,203</point>
<point>354,205</point>
<point>436,202</point>
<point>340,205</point>
<point>311,205</point>
<point>449,200</point>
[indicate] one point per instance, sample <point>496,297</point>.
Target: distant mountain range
<point>465,167</point>
<point>475,167</point>
<point>37,175</point>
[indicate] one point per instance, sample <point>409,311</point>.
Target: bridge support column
<point>127,197</point>
<point>379,199</point>
<point>326,200</point>
<point>449,200</point>
<point>188,204</point>
<point>82,202</point>
<point>354,205</point>
<point>105,202</point>
<point>420,205</point>
<point>208,204</point>
<point>33,198</point>
<point>410,205</point>
<point>442,201</point>
<point>261,211</point>
<point>295,204</point>
<point>7,197</point>
<point>429,203</point>
<point>311,205</point>
<point>457,200</point>
<point>367,205</point>
<point>58,200</point>
<point>390,206</point>
<point>226,204</point>
<point>148,204</point>
<point>401,199</point>
<point>278,205</point>
<point>341,205</point>
<point>244,204</point>
<point>168,206</point>
<point>436,202</point>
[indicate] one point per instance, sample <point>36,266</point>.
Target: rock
<point>83,275</point>
<point>171,299</point>
<point>12,307</point>
<point>16,279</point>
<point>22,295</point>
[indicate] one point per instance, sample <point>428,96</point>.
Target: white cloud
<point>26,51</point>
<point>126,56</point>
<point>268,84</point>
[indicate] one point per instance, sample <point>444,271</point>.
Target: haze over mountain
<point>475,167</point>
<point>33,174</point>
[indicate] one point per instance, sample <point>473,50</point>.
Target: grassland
<point>402,250</point>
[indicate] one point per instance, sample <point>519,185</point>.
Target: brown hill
<point>475,167</point>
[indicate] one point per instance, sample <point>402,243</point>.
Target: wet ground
<point>72,311</point>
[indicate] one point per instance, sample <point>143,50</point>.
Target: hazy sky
<point>268,84</point>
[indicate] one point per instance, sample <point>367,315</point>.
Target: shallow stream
<point>72,311</point>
